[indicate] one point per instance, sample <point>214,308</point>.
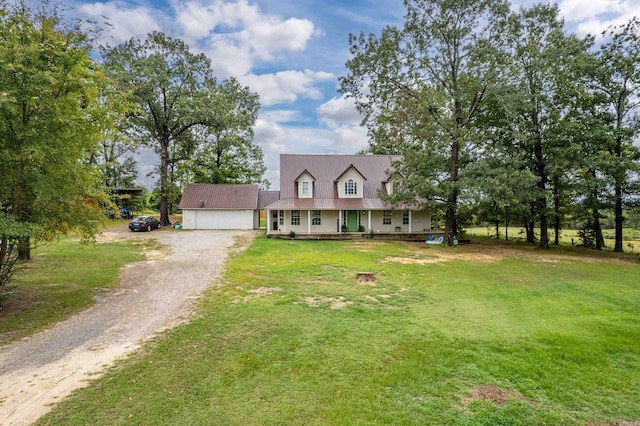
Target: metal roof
<point>219,196</point>
<point>267,197</point>
<point>326,169</point>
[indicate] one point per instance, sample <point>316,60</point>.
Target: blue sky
<point>291,52</point>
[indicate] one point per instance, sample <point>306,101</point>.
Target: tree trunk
<point>506,224</point>
<point>451,225</point>
<point>164,174</point>
<point>556,212</point>
<point>497,229</point>
<point>619,179</point>
<point>541,202</point>
<point>24,248</point>
<point>529,227</point>
<point>597,229</point>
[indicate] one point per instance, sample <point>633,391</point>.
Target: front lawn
<point>477,335</point>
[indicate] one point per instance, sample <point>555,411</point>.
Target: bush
<point>292,234</point>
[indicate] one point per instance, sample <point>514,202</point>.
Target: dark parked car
<point>125,213</point>
<point>144,223</point>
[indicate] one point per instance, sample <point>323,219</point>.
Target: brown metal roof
<point>326,169</point>
<point>210,196</point>
<point>267,197</point>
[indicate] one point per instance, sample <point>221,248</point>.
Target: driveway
<point>154,295</point>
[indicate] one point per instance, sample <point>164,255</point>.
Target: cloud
<point>598,16</point>
<point>338,111</point>
<point>286,86</point>
<point>124,22</point>
<point>237,35</point>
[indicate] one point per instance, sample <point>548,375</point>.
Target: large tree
<point>225,152</point>
<point>175,91</point>
<point>420,89</point>
<point>618,78</point>
<point>50,119</point>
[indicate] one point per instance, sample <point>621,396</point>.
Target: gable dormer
<point>350,183</point>
<point>305,183</point>
<point>388,187</point>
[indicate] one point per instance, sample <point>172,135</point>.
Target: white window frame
<point>295,217</point>
<point>316,217</point>
<point>386,217</point>
<point>351,187</point>
<point>405,217</point>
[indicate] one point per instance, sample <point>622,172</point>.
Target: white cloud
<point>125,22</point>
<point>237,35</point>
<point>338,111</point>
<point>286,86</point>
<point>598,15</point>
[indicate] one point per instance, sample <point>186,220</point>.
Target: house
<point>208,206</point>
<point>333,194</point>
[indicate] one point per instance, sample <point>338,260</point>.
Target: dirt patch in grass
<point>334,302</point>
<point>495,394</point>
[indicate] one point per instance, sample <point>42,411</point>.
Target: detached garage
<point>207,206</point>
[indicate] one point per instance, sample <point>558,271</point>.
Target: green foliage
<point>185,115</point>
<point>51,118</point>
<point>285,339</point>
<point>420,89</point>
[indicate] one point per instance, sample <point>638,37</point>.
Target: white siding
<point>218,219</point>
<point>305,179</point>
<point>357,178</point>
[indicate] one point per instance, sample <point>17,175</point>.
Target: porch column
<point>369,220</point>
<point>410,221</point>
<point>340,221</point>
<point>308,221</point>
<point>269,219</point>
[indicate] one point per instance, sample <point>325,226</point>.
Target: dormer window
<point>350,187</point>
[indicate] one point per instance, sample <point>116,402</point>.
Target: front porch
<point>356,236</point>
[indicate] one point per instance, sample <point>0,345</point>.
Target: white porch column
<point>369,220</point>
<point>340,221</point>
<point>308,221</point>
<point>269,219</point>
<point>410,220</point>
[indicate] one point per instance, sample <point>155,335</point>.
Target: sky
<point>292,52</point>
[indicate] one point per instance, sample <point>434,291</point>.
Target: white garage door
<point>223,219</point>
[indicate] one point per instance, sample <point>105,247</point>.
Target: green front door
<point>352,221</point>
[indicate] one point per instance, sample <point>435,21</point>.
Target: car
<point>125,213</point>
<point>144,223</point>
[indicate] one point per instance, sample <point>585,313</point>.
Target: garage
<point>217,219</point>
<point>211,206</point>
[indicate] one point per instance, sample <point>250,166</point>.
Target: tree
<point>225,152</point>
<point>543,61</point>
<point>50,119</point>
<point>420,89</point>
<point>618,78</point>
<point>173,89</point>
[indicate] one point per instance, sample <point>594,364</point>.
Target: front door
<point>352,221</point>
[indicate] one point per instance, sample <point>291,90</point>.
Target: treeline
<point>503,114</point>
<point>69,122</point>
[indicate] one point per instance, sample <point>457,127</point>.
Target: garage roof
<point>223,196</point>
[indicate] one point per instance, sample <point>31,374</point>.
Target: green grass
<point>556,334</point>
<point>62,279</point>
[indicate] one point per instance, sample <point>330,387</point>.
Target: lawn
<point>482,334</point>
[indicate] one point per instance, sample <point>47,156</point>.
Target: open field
<point>568,237</point>
<point>478,334</point>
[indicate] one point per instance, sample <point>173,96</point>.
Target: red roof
<point>210,196</point>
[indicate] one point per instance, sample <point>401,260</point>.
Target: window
<point>281,215</point>
<point>305,188</point>
<point>295,217</point>
<point>405,217</point>
<point>316,217</point>
<point>350,187</point>
<point>386,217</point>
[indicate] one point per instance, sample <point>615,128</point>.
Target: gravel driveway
<point>154,295</point>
